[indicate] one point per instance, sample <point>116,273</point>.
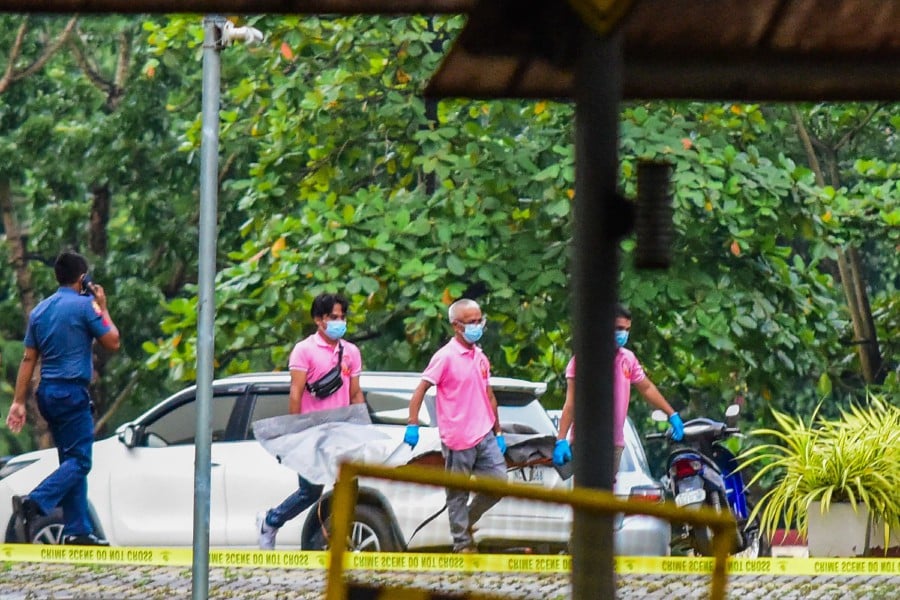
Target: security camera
<point>248,35</point>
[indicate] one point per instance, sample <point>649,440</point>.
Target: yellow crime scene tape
<point>425,561</point>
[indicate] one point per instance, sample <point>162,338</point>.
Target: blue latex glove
<point>411,436</point>
<point>501,441</point>
<point>562,453</point>
<point>677,427</point>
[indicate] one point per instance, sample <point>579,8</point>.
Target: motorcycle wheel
<point>756,543</point>
<point>702,537</point>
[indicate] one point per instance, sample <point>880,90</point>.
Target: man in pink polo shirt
<point>628,371</point>
<point>310,362</point>
<point>467,420</point>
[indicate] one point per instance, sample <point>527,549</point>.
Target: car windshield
<point>391,407</point>
<point>519,411</point>
<point>634,453</point>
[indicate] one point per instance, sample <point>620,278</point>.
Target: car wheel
<point>45,530</point>
<point>370,531</point>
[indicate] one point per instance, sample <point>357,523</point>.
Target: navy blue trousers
<point>305,496</point>
<point>67,409</point>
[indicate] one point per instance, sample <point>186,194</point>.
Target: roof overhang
<point>703,49</point>
<point>234,7</point>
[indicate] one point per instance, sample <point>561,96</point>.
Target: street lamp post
<point>218,33</point>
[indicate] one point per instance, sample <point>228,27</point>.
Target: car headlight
<point>12,467</point>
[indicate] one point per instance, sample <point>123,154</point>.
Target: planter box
<point>842,531</point>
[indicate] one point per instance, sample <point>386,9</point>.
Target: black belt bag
<point>330,382</point>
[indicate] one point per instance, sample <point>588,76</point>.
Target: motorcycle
<point>701,470</point>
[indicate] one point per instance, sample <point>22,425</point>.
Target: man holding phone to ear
<point>61,333</point>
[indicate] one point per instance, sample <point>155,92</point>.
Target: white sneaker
<point>267,533</point>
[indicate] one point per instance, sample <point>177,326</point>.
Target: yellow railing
<point>344,501</point>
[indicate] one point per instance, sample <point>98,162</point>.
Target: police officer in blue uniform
<point>61,332</point>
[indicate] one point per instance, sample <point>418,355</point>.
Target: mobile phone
<point>86,283</point>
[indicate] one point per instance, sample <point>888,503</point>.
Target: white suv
<point>141,485</point>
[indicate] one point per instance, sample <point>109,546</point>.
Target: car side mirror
<point>731,415</point>
<point>129,435</point>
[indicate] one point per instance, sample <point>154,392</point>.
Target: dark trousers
<point>67,409</point>
<point>306,495</point>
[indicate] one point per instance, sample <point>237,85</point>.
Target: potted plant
<point>838,480</point>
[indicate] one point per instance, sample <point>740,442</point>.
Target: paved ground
<point>33,581</point>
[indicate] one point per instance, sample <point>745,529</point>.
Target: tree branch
<point>227,167</point>
<point>88,69</point>
<point>848,137</point>
<point>50,50</point>
<point>806,139</point>
<point>123,395</point>
<point>122,63</point>
<point>8,77</point>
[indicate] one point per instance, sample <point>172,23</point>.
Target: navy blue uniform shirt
<point>62,329</point>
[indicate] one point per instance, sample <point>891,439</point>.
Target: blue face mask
<point>335,329</point>
<point>621,337</point>
<point>473,332</point>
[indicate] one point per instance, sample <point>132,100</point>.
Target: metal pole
<point>597,230</point>
<point>209,167</point>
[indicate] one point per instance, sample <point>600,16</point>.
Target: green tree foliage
<point>90,157</point>
<point>358,186</point>
<point>336,174</point>
<point>354,186</point>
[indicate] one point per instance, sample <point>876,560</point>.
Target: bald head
<point>459,307</point>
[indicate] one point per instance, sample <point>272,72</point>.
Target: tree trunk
<point>865,336</point>
<point>16,240</point>
<point>98,237</point>
<point>850,270</point>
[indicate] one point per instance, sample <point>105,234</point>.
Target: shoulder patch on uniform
<point>96,307</point>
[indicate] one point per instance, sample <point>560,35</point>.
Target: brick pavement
<point>38,581</point>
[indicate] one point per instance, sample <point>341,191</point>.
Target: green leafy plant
<point>854,458</point>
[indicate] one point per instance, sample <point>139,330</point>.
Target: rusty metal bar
<point>229,7</point>
<point>600,501</point>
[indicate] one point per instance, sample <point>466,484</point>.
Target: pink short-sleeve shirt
<point>570,369</point>
<point>316,357</point>
<point>627,370</point>
<point>461,375</point>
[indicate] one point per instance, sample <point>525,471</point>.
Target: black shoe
<point>85,539</point>
<point>27,513</point>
